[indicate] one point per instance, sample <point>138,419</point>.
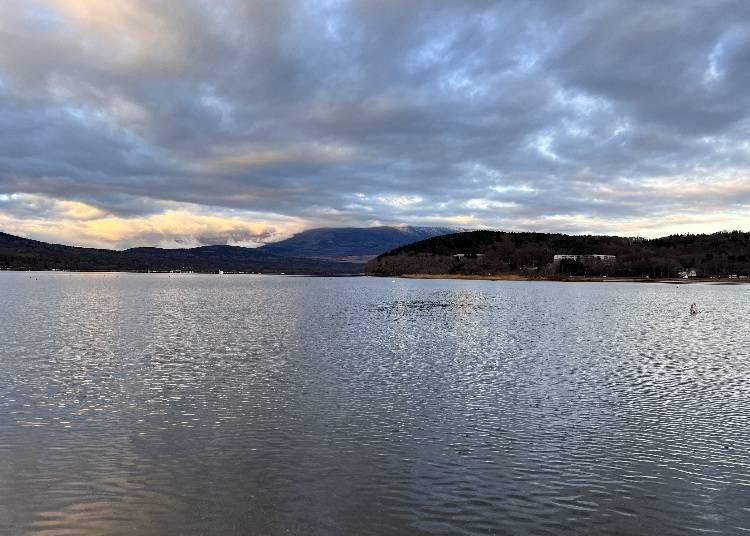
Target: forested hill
<point>496,252</point>
<point>18,253</point>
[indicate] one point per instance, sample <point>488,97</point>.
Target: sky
<point>179,123</point>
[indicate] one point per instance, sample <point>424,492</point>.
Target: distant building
<point>586,259</point>
<point>685,274</point>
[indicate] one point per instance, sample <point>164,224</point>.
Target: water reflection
<point>235,405</point>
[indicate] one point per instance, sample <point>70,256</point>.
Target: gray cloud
<point>616,116</point>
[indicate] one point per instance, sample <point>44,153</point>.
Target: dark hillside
<point>18,253</point>
<point>496,252</point>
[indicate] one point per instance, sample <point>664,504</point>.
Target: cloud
<point>178,225</point>
<point>120,119</point>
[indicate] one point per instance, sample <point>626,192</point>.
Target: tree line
<point>493,252</point>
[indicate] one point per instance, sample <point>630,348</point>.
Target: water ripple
<point>156,404</point>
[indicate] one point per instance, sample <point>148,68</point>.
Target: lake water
<point>195,404</point>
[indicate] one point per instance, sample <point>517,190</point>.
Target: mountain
<point>18,253</point>
<point>496,252</point>
<point>475,252</point>
<point>353,244</point>
<point>316,251</point>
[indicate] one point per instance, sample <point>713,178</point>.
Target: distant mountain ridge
<point>17,253</point>
<point>353,244</point>
<point>324,251</point>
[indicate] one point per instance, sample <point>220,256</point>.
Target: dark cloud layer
<point>615,116</point>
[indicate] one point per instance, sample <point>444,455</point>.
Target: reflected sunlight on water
<point>158,404</point>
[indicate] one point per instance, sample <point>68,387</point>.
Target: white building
<point>586,259</point>
<point>463,255</point>
<point>685,274</point>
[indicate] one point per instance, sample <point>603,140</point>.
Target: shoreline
<point>290,274</point>
<point>574,279</point>
<point>464,277</point>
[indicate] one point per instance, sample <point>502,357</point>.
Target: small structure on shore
<point>585,259</point>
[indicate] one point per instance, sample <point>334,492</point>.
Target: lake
<point>237,404</point>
